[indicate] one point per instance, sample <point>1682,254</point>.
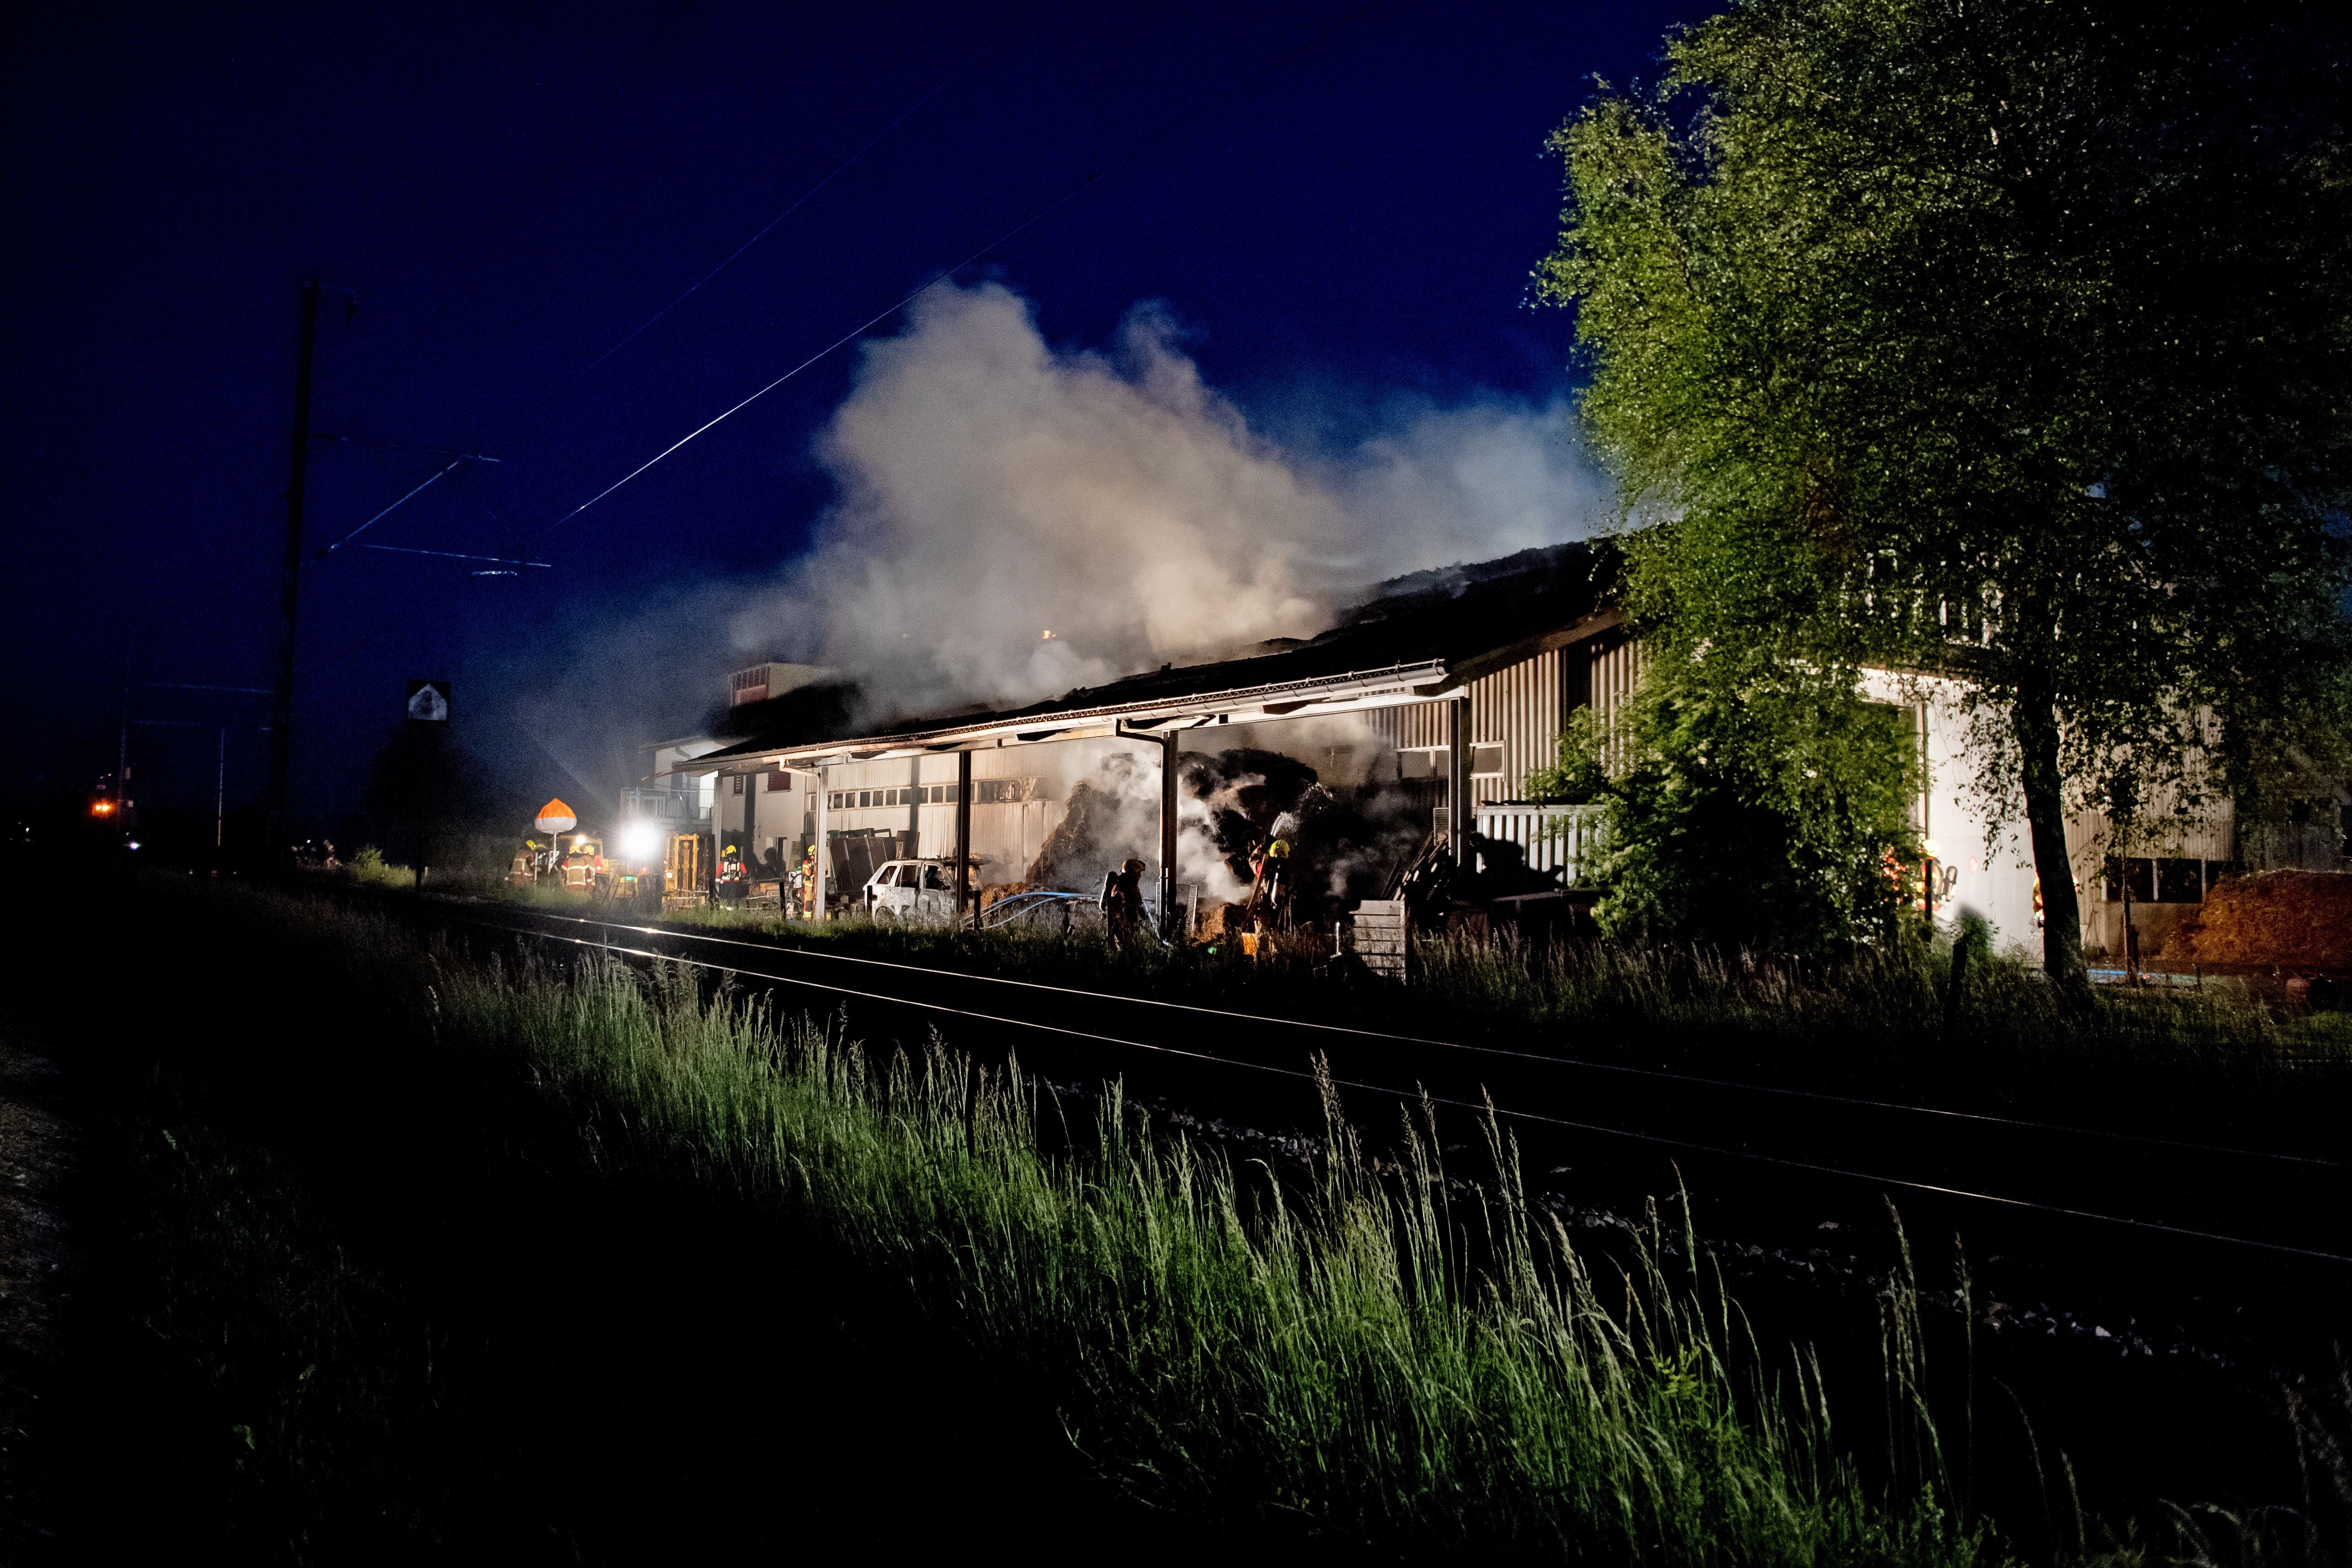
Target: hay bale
<point>1218,920</point>
<point>2293,919</point>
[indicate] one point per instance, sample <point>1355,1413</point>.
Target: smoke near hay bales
<point>994,489</point>
<point>1347,839</point>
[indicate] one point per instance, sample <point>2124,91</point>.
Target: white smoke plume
<point>993,489</point>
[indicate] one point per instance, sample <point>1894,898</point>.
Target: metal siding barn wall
<point>1615,664</point>
<point>1410,726</point>
<point>1517,708</point>
<point>1522,707</point>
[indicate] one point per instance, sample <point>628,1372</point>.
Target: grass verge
<point>2195,1063</point>
<point>403,1137</point>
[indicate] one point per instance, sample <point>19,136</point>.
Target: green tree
<point>1996,340</point>
<point>425,796</point>
<point>1752,801</point>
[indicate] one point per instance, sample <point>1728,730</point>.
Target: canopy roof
<point>1415,639</point>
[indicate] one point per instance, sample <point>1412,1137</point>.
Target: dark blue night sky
<point>511,190</point>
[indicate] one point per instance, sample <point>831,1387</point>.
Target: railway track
<point>1758,1154</point>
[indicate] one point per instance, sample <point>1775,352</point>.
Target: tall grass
<point>1392,1356</point>
<point>1898,993</point>
<point>1876,1022</point>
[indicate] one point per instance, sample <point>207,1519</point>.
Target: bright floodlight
<point>641,841</point>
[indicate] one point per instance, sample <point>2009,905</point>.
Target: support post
<point>966,885</point>
<point>823,847</point>
<point>220,792</point>
<point>1170,923</point>
<point>1459,809</point>
<point>915,808</point>
<point>281,716</point>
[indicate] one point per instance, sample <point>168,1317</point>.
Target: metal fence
<point>1552,837</point>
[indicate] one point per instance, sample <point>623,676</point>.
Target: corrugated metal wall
<point>1521,708</point>
<point>1518,708</point>
<point>1411,726</point>
<point>1612,666</point>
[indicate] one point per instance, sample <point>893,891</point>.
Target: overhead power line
<point>798,201</point>
<point>516,212</point>
<point>944,274</point>
<point>453,555</point>
<point>467,457</point>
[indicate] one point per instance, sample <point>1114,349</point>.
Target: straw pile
<point>2298,919</point>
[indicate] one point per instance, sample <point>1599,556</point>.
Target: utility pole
<point>281,728</point>
<point>122,747</point>
<point>1171,925</point>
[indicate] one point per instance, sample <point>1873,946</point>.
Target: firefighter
<point>732,882</point>
<point>1122,903</point>
<point>572,868</point>
<point>1269,900</point>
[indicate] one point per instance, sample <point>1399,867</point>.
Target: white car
<point>912,890</point>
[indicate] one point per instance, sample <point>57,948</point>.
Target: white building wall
<point>1991,869</point>
<point>1995,868</point>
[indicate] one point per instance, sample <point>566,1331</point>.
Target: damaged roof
<point>1415,638</point>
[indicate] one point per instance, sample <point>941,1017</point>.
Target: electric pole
<point>281,729</point>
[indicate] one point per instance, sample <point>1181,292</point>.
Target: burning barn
<point>1399,741</point>
<point>1361,752</point>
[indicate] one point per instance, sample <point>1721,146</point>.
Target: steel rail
<point>1485,1107</point>
<point>1503,1053</point>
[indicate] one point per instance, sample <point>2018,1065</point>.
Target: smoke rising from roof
<point>994,489</point>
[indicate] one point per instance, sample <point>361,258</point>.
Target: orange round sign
<point>555,817</point>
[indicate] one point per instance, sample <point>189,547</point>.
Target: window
<point>1486,759</point>
<point>2178,882</point>
<point>779,781</point>
<point>2139,872</point>
<point>736,787</point>
<point>1419,765</point>
<point>866,797</point>
<point>933,877</point>
<point>1001,791</point>
<point>833,800</point>
<point>887,877</point>
<point>2161,879</point>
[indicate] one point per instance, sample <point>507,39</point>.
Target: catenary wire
<point>453,555</point>
<point>1482,1107</point>
<point>798,201</point>
<point>480,266</point>
<point>1129,156</point>
<point>1503,1053</point>
<point>388,510</point>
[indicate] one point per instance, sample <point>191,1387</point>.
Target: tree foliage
<point>424,794</point>
<point>1752,802</point>
<point>1998,341</point>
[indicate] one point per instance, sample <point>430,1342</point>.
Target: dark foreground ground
<point>269,1297</point>
<point>321,1320</point>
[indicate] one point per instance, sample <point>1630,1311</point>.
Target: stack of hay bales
<point>2283,919</point>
